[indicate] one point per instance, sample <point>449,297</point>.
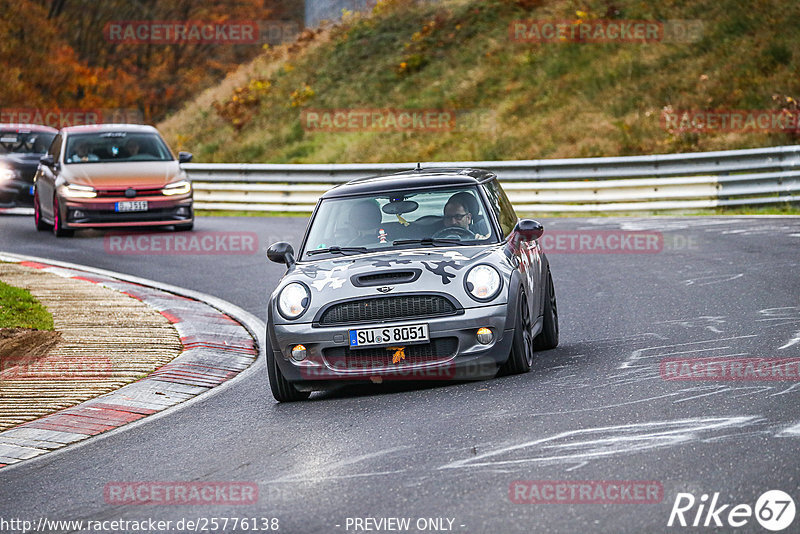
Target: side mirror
<point>281,252</point>
<point>528,229</point>
<point>184,157</point>
<point>47,160</point>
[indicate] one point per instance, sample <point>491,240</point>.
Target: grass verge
<point>19,309</point>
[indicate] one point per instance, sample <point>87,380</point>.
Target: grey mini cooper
<point>421,275</point>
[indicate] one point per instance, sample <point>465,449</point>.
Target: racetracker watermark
<point>729,369</point>
<point>601,242</point>
<point>61,118</point>
<point>181,493</point>
<point>55,368</point>
<point>393,120</point>
<point>389,365</point>
<point>586,492</point>
<point>175,32</point>
<point>170,32</point>
<point>731,120</point>
<point>606,31</point>
<point>197,243</point>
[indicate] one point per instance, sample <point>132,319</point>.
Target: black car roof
<point>415,179</point>
<point>23,127</point>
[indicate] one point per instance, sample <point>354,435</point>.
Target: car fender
<point>514,284</point>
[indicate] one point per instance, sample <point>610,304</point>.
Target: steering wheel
<point>454,231</point>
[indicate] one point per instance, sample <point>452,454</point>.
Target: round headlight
<point>293,300</point>
<point>483,282</point>
<point>7,173</point>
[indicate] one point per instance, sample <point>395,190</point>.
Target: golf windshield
<point>106,147</point>
<point>447,217</point>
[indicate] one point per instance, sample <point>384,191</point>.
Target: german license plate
<point>391,335</point>
<point>32,189</point>
<point>134,205</point>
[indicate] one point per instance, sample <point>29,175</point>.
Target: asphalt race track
<point>596,408</point>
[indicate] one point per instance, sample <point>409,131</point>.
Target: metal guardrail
<point>636,183</point>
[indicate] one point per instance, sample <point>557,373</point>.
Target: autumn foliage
<point>55,54</point>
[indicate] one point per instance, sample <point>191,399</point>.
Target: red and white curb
<point>16,211</point>
<point>216,348</point>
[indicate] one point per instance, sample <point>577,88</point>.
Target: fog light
<point>298,353</point>
<point>182,211</point>
<point>484,336</point>
<point>78,214</point>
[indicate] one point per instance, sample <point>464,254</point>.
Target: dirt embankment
<point>24,345</point>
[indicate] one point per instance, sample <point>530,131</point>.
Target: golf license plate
<point>134,205</point>
<point>390,335</point>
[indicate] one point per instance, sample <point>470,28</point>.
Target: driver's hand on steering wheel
<point>458,232</point>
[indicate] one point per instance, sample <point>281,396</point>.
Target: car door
<point>529,253</point>
<point>46,178</point>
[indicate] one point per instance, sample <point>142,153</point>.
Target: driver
<point>82,154</point>
<point>458,212</point>
<point>134,150</point>
<point>132,147</point>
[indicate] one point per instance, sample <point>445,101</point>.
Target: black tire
<point>184,227</point>
<point>520,358</point>
<point>58,229</point>
<point>41,226</point>
<point>548,337</point>
<point>282,389</point>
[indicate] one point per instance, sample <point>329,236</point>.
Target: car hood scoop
<point>404,276</point>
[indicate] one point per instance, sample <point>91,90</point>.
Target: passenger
<point>364,220</point>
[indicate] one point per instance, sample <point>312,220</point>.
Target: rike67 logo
<point>774,510</point>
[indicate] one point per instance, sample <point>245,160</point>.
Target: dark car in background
<point>21,146</point>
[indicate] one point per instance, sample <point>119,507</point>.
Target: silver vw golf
<point>421,275</point>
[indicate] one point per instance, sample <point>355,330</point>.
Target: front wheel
<point>58,228</point>
<point>41,226</point>
<point>282,389</point>
<point>521,358</point>
<point>548,337</point>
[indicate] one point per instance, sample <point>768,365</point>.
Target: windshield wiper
<point>336,250</point>
<point>430,241</point>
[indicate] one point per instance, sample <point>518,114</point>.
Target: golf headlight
<point>177,188</point>
<point>483,282</point>
<point>293,300</point>
<point>78,191</point>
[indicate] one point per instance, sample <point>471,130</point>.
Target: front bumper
<point>16,193</point>
<point>100,212</point>
<point>453,353</point>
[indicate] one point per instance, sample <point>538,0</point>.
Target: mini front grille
<point>344,358</point>
<point>387,308</point>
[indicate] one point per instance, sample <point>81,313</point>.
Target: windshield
<point>24,142</point>
<point>105,147</point>
<point>454,216</point>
